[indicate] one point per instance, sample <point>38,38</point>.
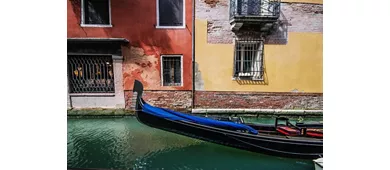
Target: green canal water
<point>124,143</point>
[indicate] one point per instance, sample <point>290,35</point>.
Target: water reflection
<point>124,143</point>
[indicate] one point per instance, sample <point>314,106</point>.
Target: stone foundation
<point>175,100</point>
<point>258,100</point>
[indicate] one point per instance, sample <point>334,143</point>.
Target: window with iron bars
<point>171,70</point>
<point>90,74</point>
<point>248,59</point>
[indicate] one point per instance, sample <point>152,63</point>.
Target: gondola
<point>284,139</point>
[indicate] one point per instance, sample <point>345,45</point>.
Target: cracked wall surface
<point>218,27</point>
<point>199,84</point>
<point>143,67</point>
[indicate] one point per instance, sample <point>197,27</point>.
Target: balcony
<point>259,13</point>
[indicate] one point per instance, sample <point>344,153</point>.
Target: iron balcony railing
<point>259,9</point>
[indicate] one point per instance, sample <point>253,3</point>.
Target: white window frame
<point>162,69</point>
<point>260,53</point>
<point>171,27</point>
<point>82,24</point>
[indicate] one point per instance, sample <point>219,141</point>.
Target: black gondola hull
<point>283,146</point>
<point>276,146</point>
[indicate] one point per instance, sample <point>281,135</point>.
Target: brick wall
<point>302,17</point>
<point>299,17</point>
<point>258,100</point>
<point>217,15</point>
<point>175,100</point>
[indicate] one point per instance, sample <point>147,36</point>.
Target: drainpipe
<point>193,54</point>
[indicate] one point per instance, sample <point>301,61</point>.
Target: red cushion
<point>314,134</point>
<point>288,131</point>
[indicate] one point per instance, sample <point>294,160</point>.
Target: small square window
<point>96,12</point>
<point>171,70</point>
<point>170,13</point>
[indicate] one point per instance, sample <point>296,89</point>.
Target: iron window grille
<point>170,13</point>
<point>171,70</point>
<point>248,59</point>
<point>90,74</point>
<point>96,12</point>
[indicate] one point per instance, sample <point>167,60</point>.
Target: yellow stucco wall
<point>297,65</point>
<point>305,1</point>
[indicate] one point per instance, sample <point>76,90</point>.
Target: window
<point>90,74</point>
<point>171,70</point>
<point>95,13</point>
<point>170,14</point>
<point>248,59</point>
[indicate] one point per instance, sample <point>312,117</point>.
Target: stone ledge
<point>260,111</point>
<point>99,112</point>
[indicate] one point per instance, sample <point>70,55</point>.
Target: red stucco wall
<point>135,20</point>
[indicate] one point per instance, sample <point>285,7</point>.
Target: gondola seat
<point>314,133</point>
<point>288,131</point>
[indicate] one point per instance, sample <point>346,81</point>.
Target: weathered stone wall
<point>258,100</point>
<point>217,15</point>
<point>298,17</point>
<point>199,84</point>
<point>303,17</point>
<point>175,100</point>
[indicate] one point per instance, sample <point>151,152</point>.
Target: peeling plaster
<point>307,8</point>
<point>295,90</point>
<point>211,3</point>
<point>143,67</point>
<point>199,83</point>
